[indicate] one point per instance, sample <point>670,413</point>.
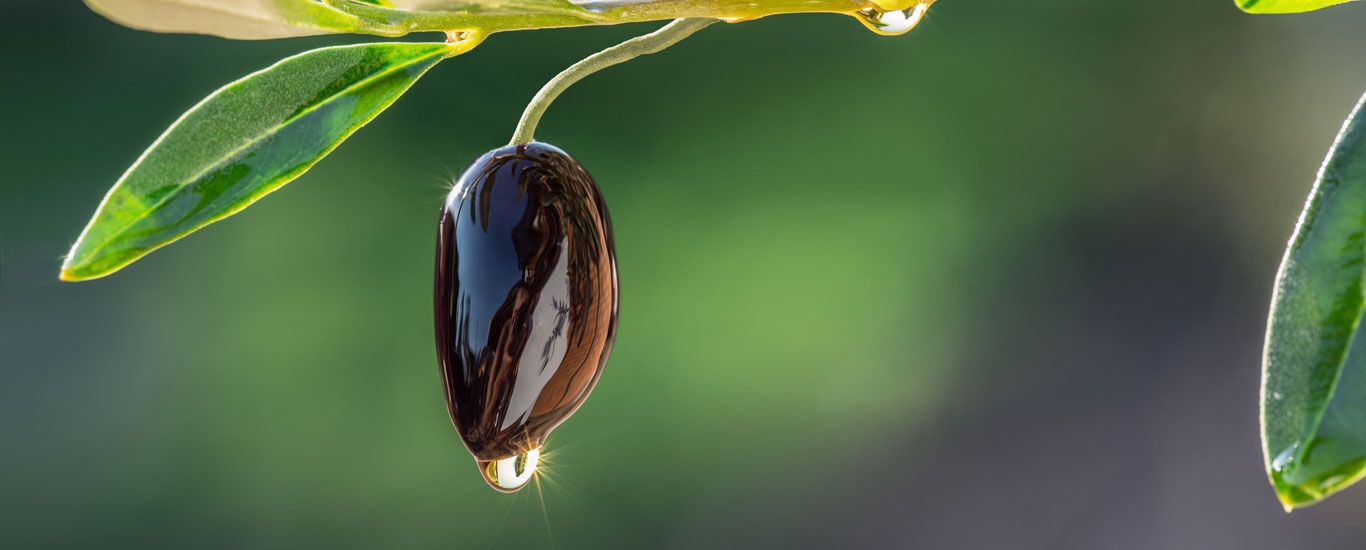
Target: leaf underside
<point>265,19</point>
<point>239,19</point>
<point>244,141</point>
<point>1314,367</point>
<point>1286,6</point>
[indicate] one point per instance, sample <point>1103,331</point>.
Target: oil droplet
<point>892,22</point>
<point>511,473</point>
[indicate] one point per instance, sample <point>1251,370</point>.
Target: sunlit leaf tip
<point>1286,6</point>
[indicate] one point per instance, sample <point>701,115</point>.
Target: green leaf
<point>1286,6</point>
<point>243,141</point>
<point>1314,367</point>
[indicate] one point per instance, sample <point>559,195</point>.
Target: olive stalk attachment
<point>654,42</point>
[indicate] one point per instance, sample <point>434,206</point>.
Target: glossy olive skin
<point>526,296</point>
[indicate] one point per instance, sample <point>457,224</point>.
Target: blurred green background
<point>998,283</point>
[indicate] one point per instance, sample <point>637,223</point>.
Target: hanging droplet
<point>510,473</point>
<point>892,22</point>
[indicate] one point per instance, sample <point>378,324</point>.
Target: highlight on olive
<point>526,303</point>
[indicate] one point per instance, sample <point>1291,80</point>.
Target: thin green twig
<point>666,36</point>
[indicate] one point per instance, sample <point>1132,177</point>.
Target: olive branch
<point>254,135</point>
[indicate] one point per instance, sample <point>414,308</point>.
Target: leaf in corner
<point>1286,6</point>
<point>1314,366</point>
<point>244,141</point>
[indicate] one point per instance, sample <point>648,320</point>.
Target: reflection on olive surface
<point>526,297</point>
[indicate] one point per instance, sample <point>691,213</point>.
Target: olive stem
<point>666,36</point>
<point>492,16</point>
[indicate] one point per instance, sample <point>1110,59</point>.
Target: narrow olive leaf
<point>1313,408</point>
<point>240,19</point>
<point>1286,6</point>
<point>243,141</point>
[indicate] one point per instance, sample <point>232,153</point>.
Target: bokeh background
<point>998,283</point>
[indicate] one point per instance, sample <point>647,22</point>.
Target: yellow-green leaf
<point>1286,6</point>
<point>244,141</point>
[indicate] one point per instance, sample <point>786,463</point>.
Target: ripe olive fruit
<point>526,302</point>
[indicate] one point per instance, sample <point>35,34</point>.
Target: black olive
<point>526,302</point>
